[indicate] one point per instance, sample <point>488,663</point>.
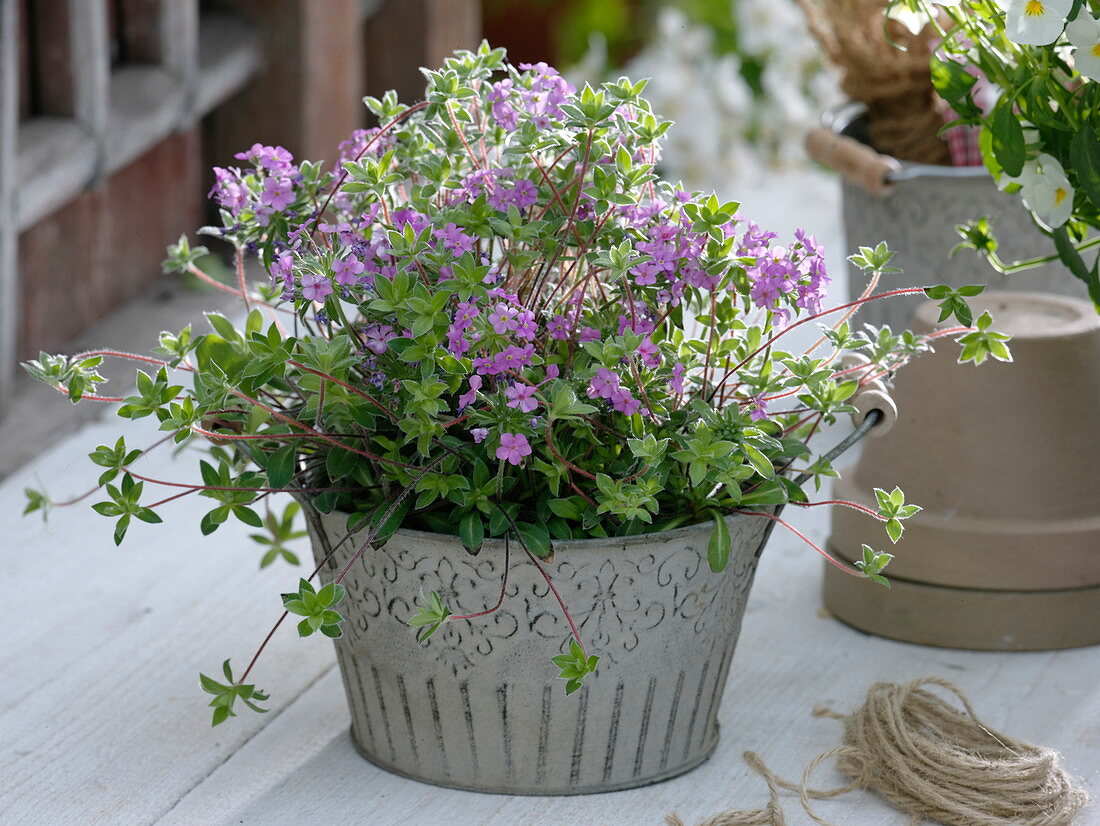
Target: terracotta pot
<point>1004,459</point>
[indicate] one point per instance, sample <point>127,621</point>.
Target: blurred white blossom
<point>724,128</point>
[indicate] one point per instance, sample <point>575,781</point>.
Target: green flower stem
<point>801,321</point>
<point>1029,263</point>
<point>1076,264</point>
<point>374,139</point>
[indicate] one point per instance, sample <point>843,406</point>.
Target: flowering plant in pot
<point>492,328</point>
<point>1038,133</point>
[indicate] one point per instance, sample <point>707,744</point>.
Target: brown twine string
<point>892,79</point>
<point>932,761</point>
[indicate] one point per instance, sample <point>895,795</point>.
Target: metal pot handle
<point>874,416</point>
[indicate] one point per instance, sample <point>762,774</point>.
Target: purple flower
<point>274,159</point>
<point>650,354</point>
<point>315,287</point>
<point>503,112</point>
<point>522,396</point>
<point>559,327</point>
<point>457,343</point>
<point>468,398</point>
<point>348,270</point>
<point>759,410</point>
<point>525,325</point>
<point>589,334</point>
<point>503,318</point>
<point>278,193</point>
<point>677,380</point>
<point>465,313</point>
<point>513,447</point>
<point>378,337</point>
<point>524,194</point>
<point>624,402</point>
<point>283,266</point>
<point>646,274</point>
<point>603,384</point>
<point>228,190</point>
<point>455,239</point>
<point>479,434</point>
<point>410,217</point>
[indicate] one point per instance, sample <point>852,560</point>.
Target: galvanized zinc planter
<point>915,208</point>
<point>477,707</point>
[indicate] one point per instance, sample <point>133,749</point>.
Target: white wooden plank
<point>99,689</point>
<point>179,46</point>
<point>146,107</point>
<point>57,159</point>
<point>9,233</point>
<point>789,658</point>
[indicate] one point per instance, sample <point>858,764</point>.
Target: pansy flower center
<point>1034,8</point>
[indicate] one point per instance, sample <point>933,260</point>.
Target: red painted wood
<point>107,244</point>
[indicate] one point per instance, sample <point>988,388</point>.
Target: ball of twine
<point>931,760</point>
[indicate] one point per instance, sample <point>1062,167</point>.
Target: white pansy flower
<point>1084,33</point>
<point>1036,22</point>
<point>1046,190</point>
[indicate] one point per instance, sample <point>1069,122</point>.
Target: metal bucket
<point>477,707</point>
<point>917,217</point>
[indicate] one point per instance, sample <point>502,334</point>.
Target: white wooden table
<point>102,720</point>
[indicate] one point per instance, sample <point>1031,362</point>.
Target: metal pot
<point>478,706</point>
<point>916,209</point>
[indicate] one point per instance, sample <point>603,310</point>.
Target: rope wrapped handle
<point>875,415</point>
<point>856,162</point>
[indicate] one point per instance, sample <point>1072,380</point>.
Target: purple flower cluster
<point>498,188</point>
<point>277,178</point>
<point>354,146</point>
<point>540,93</point>
<point>607,385</point>
<point>780,271</point>
<point>673,251</point>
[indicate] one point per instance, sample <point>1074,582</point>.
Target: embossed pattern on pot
<point>472,708</point>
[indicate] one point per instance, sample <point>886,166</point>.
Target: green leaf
<point>894,529</point>
<point>759,461</point>
<point>280,466</point>
<point>574,666</point>
<point>769,493</point>
<point>536,538</point>
<point>471,530</point>
<point>1084,153</point>
<point>1009,147</point>
<point>718,547</point>
<point>430,617</point>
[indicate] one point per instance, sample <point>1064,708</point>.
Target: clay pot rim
<point>1075,318</point>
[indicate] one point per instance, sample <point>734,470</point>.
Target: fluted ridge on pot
<point>478,705</point>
